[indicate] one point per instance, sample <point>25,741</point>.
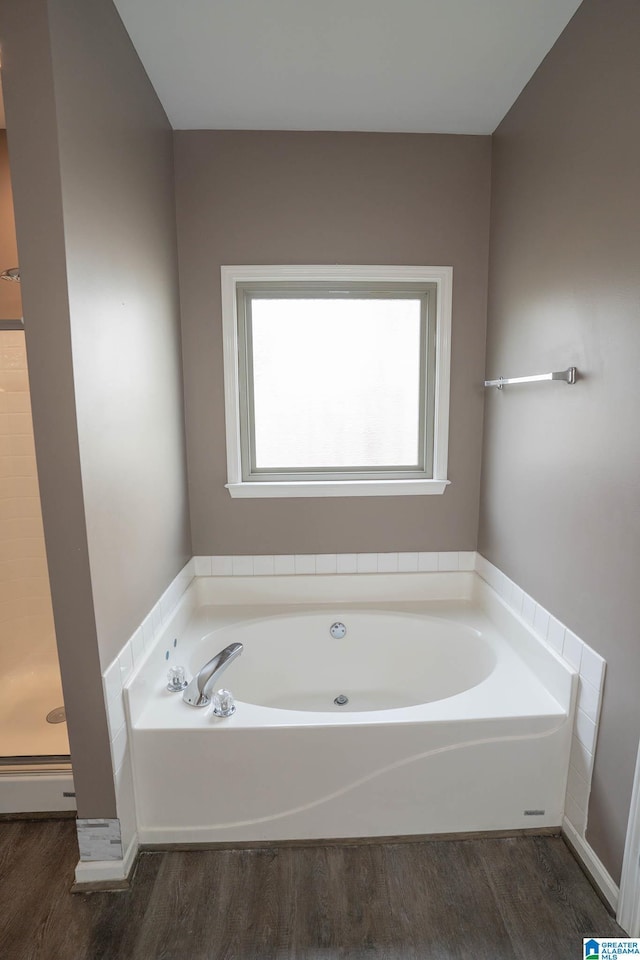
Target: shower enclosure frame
<point>27,770</point>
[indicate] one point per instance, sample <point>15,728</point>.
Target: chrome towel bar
<point>569,376</point>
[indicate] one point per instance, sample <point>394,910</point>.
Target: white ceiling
<point>438,66</point>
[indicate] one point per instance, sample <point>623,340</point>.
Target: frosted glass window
<point>336,383</point>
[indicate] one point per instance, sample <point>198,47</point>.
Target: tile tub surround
<point>333,563</point>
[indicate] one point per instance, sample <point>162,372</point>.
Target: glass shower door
<point>32,723</point>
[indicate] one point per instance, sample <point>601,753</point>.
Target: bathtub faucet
<point>198,692</point>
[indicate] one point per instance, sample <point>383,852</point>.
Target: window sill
<point>338,488</point>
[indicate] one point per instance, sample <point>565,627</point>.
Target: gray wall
<point>255,197</point>
<point>560,507</point>
<point>116,162</point>
<point>91,160</point>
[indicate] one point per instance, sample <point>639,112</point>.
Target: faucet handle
<point>176,678</point>
<point>224,704</point>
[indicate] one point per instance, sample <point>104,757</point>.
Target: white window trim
<point>441,276</point>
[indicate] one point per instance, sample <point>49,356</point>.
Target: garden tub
<point>451,724</point>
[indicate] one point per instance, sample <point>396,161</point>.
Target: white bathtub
<point>385,661</point>
<point>451,726</point>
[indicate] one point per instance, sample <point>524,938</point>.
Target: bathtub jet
<point>198,692</point>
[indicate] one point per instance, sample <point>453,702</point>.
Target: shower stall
<point>32,723</point>
<point>35,770</point>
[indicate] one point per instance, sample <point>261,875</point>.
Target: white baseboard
<point>629,903</point>
<point>593,865</point>
<point>93,872</point>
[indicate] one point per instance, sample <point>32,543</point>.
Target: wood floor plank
<point>178,895</point>
<point>115,921</point>
<point>577,901</point>
<point>504,899</point>
<point>313,922</point>
<point>364,907</point>
<point>41,858</point>
<point>342,910</point>
<point>544,914</point>
<point>450,910</point>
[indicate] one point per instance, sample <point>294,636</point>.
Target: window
<point>336,380</point>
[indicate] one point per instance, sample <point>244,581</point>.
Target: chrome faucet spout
<point>198,692</point>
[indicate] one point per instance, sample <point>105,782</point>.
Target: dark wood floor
<point>515,899</point>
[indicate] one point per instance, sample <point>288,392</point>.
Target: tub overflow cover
<point>341,700</point>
